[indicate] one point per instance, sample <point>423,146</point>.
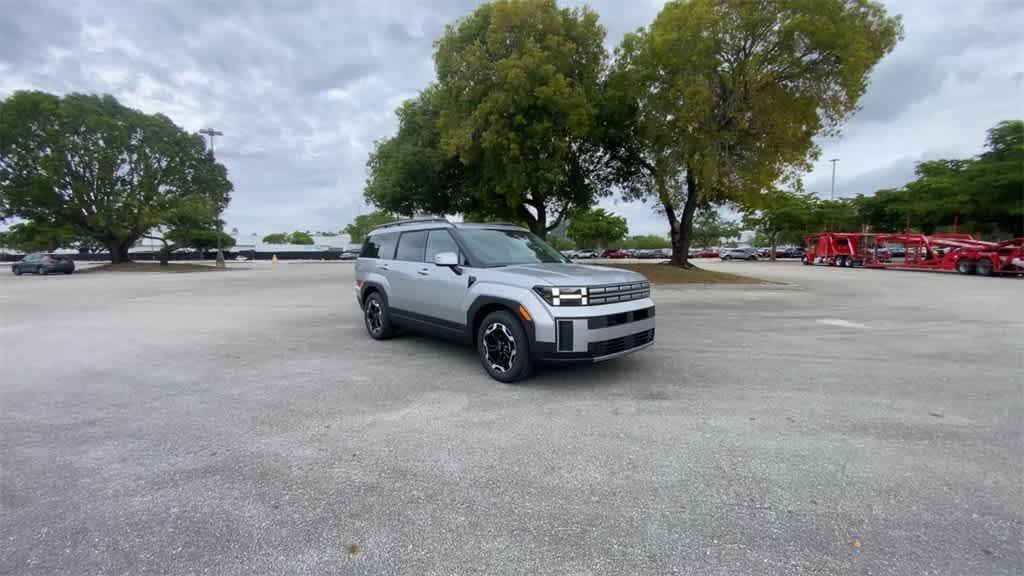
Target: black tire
<point>965,266</point>
<point>984,267</point>
<point>40,271</point>
<point>726,258</point>
<point>806,261</point>
<point>16,270</point>
<point>842,263</point>
<point>377,318</point>
<point>506,364</point>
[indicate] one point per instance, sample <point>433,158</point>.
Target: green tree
<point>709,228</point>
<point>835,215</point>
<point>597,228</point>
<point>38,237</point>
<point>276,238</point>
<point>410,172</point>
<point>105,170</point>
<point>303,238</point>
<point>720,99</point>
<point>361,226</point>
<point>518,94</point>
<point>188,223</point>
<point>780,216</point>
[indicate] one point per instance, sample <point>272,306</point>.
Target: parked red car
<point>614,254</point>
<point>709,253</point>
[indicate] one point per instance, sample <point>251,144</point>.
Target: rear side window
<point>412,245</point>
<point>380,246</point>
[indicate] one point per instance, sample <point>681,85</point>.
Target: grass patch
<point>172,267</point>
<point>665,274</point>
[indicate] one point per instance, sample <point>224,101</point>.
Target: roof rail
<point>413,221</point>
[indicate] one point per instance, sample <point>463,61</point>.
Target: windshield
<point>495,247</point>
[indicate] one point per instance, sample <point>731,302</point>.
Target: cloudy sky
<point>302,88</point>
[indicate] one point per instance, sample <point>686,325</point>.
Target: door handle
<point>424,272</point>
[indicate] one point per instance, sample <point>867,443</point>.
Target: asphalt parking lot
<point>856,422</point>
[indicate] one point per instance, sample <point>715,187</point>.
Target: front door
<point>443,289</point>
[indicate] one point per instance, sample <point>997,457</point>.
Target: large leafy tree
<point>107,171</point>
<point>720,99</point>
<point>596,228</point>
<point>518,93</point>
<point>361,226</point>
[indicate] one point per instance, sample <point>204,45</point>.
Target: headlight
<point>562,296</point>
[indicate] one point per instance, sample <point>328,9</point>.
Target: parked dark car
<point>42,263</point>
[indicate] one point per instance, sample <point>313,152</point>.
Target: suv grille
<point>619,293</point>
<point>621,344</point>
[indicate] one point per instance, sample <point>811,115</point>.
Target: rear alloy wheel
<point>504,348</point>
<point>964,266</point>
<point>16,270</point>
<point>984,267</point>
<point>377,318</point>
<point>41,271</point>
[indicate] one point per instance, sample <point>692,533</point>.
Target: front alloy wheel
<point>504,347</point>
<point>499,348</point>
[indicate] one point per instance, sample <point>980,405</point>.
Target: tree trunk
<point>165,256</point>
<point>772,243</point>
<point>686,221</point>
<point>118,251</point>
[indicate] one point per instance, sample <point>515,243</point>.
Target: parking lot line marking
<point>840,323</point>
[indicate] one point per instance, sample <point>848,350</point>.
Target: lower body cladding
<point>597,338</point>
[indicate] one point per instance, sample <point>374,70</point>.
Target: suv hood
<point>571,274</point>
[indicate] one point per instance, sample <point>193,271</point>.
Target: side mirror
<point>446,259</point>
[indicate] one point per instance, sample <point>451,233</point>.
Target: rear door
<point>405,277</point>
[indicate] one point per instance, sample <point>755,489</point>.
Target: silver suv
<point>501,288</point>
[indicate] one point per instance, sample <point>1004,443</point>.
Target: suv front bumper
<point>597,333</point>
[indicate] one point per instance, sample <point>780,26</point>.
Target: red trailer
<point>940,252</point>
<point>841,249</point>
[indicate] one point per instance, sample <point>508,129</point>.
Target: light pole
<point>211,133</point>
<point>833,195</point>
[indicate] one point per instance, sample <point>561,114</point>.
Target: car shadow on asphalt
<point>560,376</point>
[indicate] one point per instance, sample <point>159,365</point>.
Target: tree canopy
<point>517,95</point>
<point>596,228</point>
<point>109,172</point>
<point>719,99</point>
<point>361,226</point>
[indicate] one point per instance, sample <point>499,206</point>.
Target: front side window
<point>412,246</point>
<point>440,241</point>
<point>496,247</point>
<point>380,246</point>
